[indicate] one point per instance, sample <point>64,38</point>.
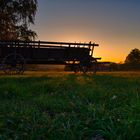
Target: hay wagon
<point>14,55</point>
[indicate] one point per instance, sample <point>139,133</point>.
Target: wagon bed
<point>15,54</point>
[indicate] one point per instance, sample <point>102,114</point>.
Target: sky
<point>113,24</point>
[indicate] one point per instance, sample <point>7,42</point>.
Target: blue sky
<point>114,24</point>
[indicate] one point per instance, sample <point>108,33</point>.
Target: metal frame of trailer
<point>15,54</point>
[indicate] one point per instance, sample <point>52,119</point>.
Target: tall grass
<point>72,107</point>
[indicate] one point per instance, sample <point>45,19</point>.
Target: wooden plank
<point>4,42</point>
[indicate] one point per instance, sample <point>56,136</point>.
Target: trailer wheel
<point>84,68</point>
<point>76,68</point>
<point>94,66</point>
<point>89,66</point>
<point>13,64</point>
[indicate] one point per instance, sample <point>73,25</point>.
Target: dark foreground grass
<point>72,107</point>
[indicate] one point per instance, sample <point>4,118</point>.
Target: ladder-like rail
<point>47,44</point>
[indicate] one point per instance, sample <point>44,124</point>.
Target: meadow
<point>70,107</point>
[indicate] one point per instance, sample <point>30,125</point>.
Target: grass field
<point>70,107</point>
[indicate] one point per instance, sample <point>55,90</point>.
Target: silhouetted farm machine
<point>14,55</point>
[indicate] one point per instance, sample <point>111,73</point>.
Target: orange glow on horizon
<point>112,25</point>
<point>102,51</point>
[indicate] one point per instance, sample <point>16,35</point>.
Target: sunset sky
<point>113,24</point>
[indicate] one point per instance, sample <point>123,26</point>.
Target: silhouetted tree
<point>133,59</point>
<point>15,19</point>
<point>133,56</point>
